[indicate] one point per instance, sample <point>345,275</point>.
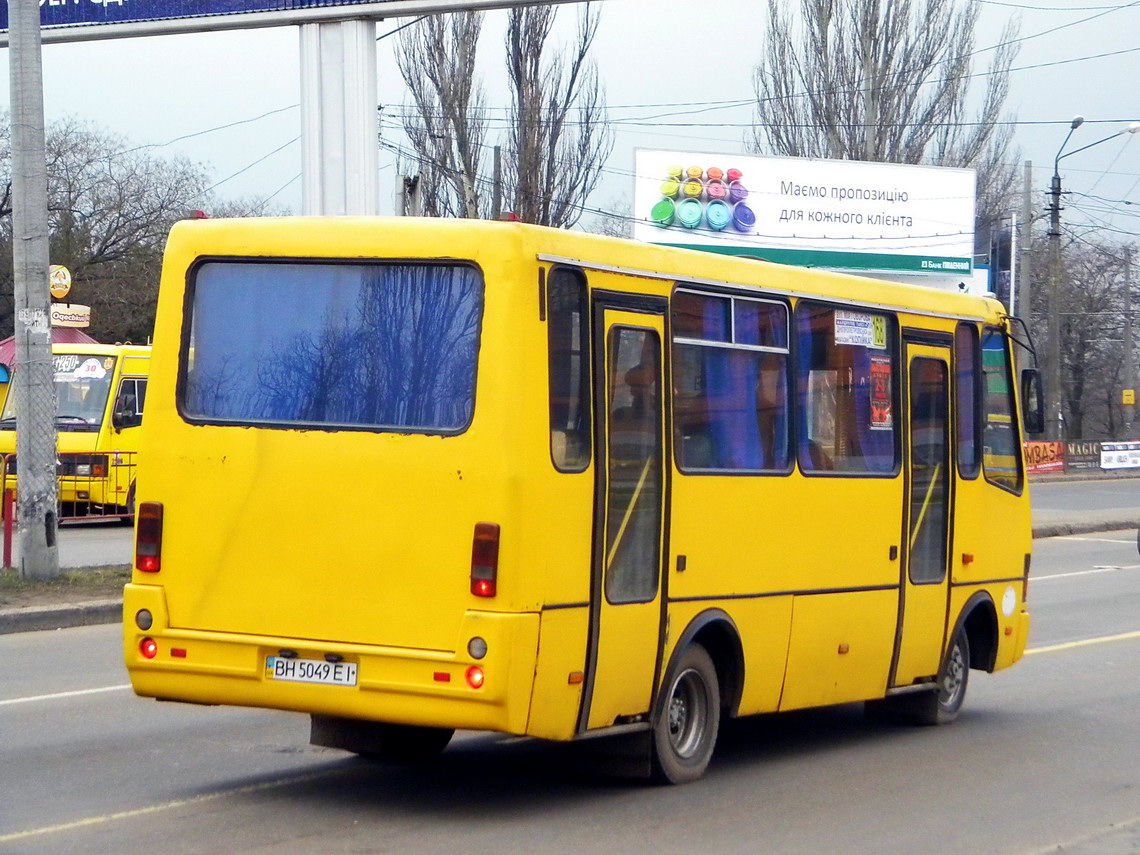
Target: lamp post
<point>1053,352</point>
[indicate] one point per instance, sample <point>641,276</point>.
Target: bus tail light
<point>475,677</point>
<point>485,560</point>
<point>148,537</point>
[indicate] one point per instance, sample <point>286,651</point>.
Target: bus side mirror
<point>1032,400</point>
<point>125,416</point>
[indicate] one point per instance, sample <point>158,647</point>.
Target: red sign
<point>1045,456</point>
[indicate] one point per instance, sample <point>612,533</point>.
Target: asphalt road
<point>1044,755</point>
<point>1108,494</point>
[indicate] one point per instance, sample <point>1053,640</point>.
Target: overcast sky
<point>667,65</point>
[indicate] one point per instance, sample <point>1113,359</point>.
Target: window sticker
<point>860,329</point>
<point>881,416</point>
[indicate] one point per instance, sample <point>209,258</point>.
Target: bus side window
<point>967,399</point>
<point>1001,458</point>
<point>730,383</point>
<point>129,404</point>
<point>846,370</point>
<point>569,365</point>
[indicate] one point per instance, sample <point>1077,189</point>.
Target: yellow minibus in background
<point>408,476</point>
<point>100,390</point>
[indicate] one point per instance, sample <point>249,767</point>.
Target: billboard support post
<point>339,150</point>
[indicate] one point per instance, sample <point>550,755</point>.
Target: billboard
<point>840,214</point>
<point>79,20</point>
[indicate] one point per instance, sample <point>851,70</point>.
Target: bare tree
<point>110,208</point>
<point>559,139</point>
<point>886,80</point>
<point>446,122</point>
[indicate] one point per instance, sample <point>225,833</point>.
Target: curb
<point>38,618</point>
<point>1063,527</point>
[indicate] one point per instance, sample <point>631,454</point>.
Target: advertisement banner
<point>1044,456</point>
<point>1082,456</point>
<point>1120,455</point>
<point>840,214</point>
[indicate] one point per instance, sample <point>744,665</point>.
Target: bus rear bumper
<point>392,684</point>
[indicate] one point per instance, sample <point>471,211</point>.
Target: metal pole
<point>34,379</point>
<point>1053,429</point>
<point>1129,360</point>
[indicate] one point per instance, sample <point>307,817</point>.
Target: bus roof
<point>363,237</point>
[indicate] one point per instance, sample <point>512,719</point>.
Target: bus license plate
<point>310,671</point>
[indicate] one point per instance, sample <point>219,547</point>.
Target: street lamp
<point>1053,352</point>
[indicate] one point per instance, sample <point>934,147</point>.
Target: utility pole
<point>497,185</point>
<point>1129,359</point>
<point>1053,429</point>
<point>34,379</point>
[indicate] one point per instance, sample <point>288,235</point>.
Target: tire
<point>953,678</point>
<point>407,744</point>
<point>687,719</point>
<point>129,517</point>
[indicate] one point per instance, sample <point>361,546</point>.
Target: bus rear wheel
<point>687,720</point>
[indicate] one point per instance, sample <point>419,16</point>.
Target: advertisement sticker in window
<point>881,393</point>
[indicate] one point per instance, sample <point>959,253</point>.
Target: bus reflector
<point>148,537</point>
<point>485,559</point>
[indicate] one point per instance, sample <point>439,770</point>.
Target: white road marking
<point>61,695</point>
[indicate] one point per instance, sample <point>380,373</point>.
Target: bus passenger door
<point>924,592</point>
<point>625,587</point>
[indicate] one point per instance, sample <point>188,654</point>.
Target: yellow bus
<point>100,390</point>
<point>411,476</point>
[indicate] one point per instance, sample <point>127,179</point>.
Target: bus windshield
<point>82,384</point>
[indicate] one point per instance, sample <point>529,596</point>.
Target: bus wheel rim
<point>688,714</point>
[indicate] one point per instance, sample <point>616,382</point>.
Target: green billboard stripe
<point>840,260</point>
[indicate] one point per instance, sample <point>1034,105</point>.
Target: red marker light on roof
<point>485,560</point>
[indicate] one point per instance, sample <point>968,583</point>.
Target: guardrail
<point>96,485</point>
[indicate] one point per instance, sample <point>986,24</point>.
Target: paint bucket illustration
<point>718,215</point>
<point>690,212</point>
<point>743,218</point>
<point>694,172</point>
<point>737,192</point>
<point>670,188</point>
<point>674,172</point>
<point>663,212</point>
<point>715,188</point>
<point>714,173</point>
<point>692,188</point>
<point>733,175</point>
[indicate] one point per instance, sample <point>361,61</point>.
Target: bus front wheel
<point>940,706</point>
<point>687,720</point>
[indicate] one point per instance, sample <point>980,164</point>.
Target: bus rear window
<point>367,346</point>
